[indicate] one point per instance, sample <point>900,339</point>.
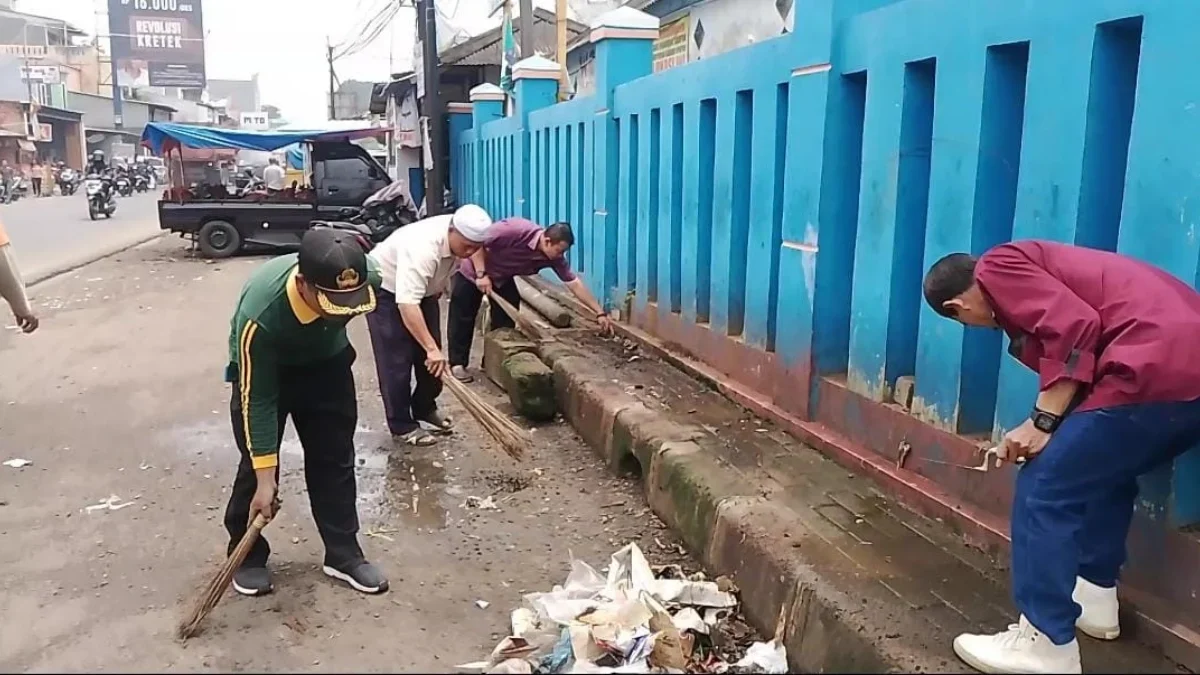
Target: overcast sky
<point>284,41</point>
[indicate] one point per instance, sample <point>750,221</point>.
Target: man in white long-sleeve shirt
<point>12,287</point>
<point>416,262</point>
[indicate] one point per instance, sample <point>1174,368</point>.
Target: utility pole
<point>432,108</point>
<point>25,59</point>
<point>332,77</point>
<point>114,69</point>
<point>527,43</point>
<point>560,34</point>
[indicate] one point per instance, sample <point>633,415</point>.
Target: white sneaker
<point>1020,649</point>
<point>1099,616</point>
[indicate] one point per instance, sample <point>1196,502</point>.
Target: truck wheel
<point>219,239</point>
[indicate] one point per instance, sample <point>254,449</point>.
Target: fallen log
<point>556,314</point>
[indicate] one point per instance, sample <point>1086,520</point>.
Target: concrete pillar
<point>535,80</point>
<point>458,121</point>
<point>624,40</point>
<point>487,105</point>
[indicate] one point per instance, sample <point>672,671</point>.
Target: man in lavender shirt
<point>513,247</point>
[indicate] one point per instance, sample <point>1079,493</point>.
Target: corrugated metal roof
<point>485,49</point>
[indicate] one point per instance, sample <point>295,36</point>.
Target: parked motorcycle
<point>101,196</point>
<point>19,189</point>
<point>123,185</point>
<point>68,181</point>
<point>381,214</point>
<point>388,210</point>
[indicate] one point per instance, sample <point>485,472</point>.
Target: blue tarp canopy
<point>163,136</point>
<point>295,157</point>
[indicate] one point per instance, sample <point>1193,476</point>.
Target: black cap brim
<point>347,303</point>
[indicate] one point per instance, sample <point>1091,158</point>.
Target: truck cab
<point>343,176</point>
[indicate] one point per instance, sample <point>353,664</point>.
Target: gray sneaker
<point>362,576</point>
<point>252,580</point>
<point>460,373</point>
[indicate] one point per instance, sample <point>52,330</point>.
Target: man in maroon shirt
<point>514,247</point>
<point>1116,345</point>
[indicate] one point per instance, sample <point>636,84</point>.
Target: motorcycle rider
<point>120,169</point>
<point>66,182</point>
<point>140,172</point>
<point>97,165</point>
<point>98,168</point>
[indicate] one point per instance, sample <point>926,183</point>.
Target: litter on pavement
<point>637,619</point>
<point>113,503</point>
<point>17,463</point>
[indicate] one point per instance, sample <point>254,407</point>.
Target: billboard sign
<point>157,43</point>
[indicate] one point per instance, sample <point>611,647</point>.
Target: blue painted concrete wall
<point>791,194</point>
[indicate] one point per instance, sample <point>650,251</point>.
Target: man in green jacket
<point>289,355</point>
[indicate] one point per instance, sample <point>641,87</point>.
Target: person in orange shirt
<point>12,287</point>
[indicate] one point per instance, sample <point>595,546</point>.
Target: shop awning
<point>163,136</point>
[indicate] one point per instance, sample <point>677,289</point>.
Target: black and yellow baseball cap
<point>336,265</point>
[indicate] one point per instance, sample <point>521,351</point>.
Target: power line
<point>360,24</point>
<point>374,30</point>
<point>374,27</point>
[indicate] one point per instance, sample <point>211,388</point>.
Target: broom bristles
<point>511,437</point>
<point>216,588</point>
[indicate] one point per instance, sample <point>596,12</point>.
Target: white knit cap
<point>472,222</point>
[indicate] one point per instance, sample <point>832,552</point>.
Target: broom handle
<point>252,533</point>
<point>260,521</point>
<point>504,305</point>
<point>524,325</point>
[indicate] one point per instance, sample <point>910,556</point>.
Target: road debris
<point>17,463</point>
<point>638,619</point>
<point>483,504</point>
<point>482,604</point>
<point>113,503</point>
<point>381,533</point>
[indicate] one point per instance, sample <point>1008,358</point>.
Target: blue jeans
<point>1074,502</point>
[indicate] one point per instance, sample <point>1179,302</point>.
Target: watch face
<point>1043,422</point>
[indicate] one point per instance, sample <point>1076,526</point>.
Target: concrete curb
<point>89,258</point>
<point>725,520</point>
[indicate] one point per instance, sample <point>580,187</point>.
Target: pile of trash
<point>637,620</point>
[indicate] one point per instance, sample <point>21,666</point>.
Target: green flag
<point>511,53</point>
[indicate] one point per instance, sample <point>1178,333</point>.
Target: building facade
<point>237,96</point>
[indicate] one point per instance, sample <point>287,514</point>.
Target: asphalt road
<point>52,233</point>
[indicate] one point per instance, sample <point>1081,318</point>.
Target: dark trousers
<point>320,399</point>
<point>37,187</point>
<point>465,298</point>
<point>397,355</point>
<point>1074,502</point>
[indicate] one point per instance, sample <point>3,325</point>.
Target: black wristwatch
<point>1044,421</point>
<point>479,274</point>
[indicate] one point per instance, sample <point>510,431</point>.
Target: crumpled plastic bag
<point>575,597</point>
<point>513,667</point>
<point>764,657</point>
